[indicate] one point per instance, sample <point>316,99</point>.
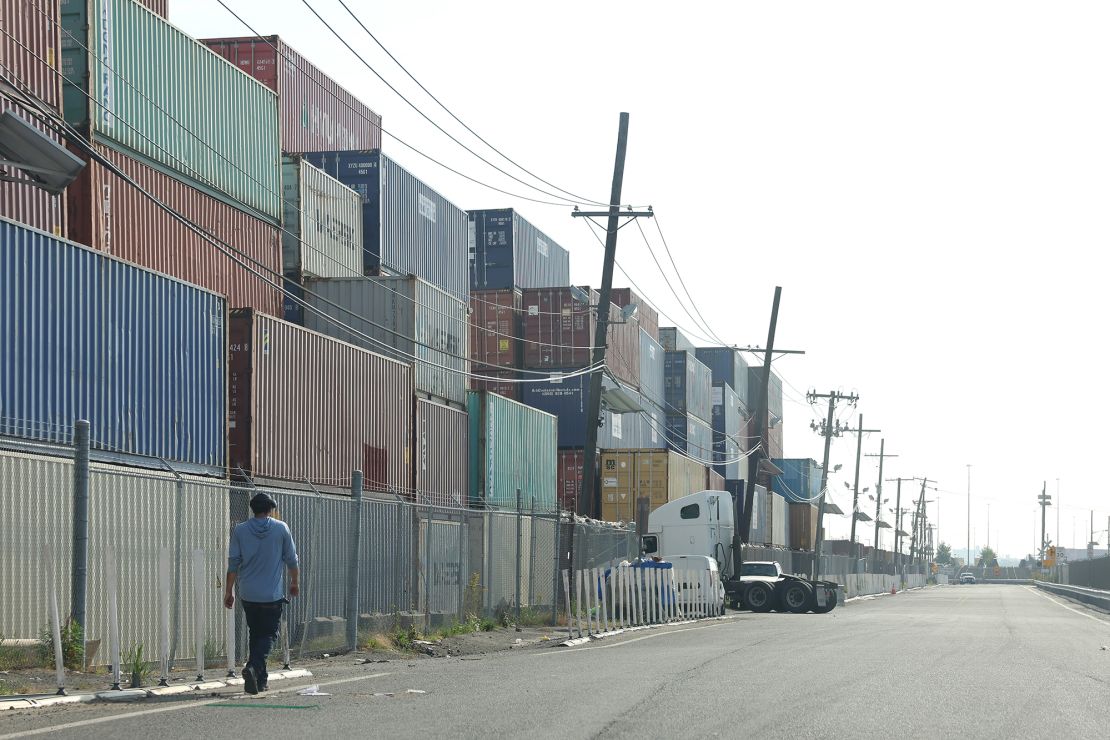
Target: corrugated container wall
<point>400,317</point>
<point>729,428</point>
<point>28,204</point>
<point>559,333</point>
<point>774,391</point>
<point>674,341</point>
<point>690,435</point>
<point>161,94</point>
<point>161,7</point>
<point>660,475</point>
<point>686,385</point>
<point>652,364</point>
<point>442,455</point>
<point>759,533</point>
<point>30,47</point>
<point>315,113</point>
<point>646,315</point>
<point>110,215</point>
<point>727,366</point>
<point>506,252</point>
<point>408,228</point>
<point>512,447</point>
<point>800,479</point>
<point>803,526</point>
<point>654,421</point>
<point>778,526</point>
<point>495,326</point>
<point>567,398</point>
<point>502,382</point>
<point>139,355</point>
<point>716,481</point>
<point>304,406</point>
<point>571,464</point>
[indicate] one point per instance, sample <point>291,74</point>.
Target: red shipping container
<point>495,327</point>
<point>570,465</point>
<point>26,203</point>
<point>159,7</point>
<point>646,315</point>
<point>715,481</point>
<point>442,455</point>
<point>502,382</point>
<point>559,331</point>
<point>30,47</point>
<point>303,406</point>
<point>110,215</point>
<point>315,113</point>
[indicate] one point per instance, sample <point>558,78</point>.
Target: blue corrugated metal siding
<point>408,228</point>
<point>686,385</point>
<point>507,251</point>
<point>727,366</point>
<point>138,354</point>
<point>651,369</point>
<point>567,399</point>
<point>727,426</point>
<point>690,436</point>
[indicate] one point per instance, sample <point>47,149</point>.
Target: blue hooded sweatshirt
<point>260,550</point>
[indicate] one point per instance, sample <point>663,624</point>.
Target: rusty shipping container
<point>571,462</point>
<point>495,328</point>
<point>159,7</point>
<point>646,316</point>
<point>315,113</point>
<point>30,47</point>
<point>110,215</point>
<point>304,406</point>
<point>442,455</point>
<point>501,382</point>
<point>716,481</point>
<point>803,526</point>
<point>559,332</point>
<point>26,203</point>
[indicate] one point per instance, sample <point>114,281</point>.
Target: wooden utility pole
<point>852,548</point>
<point>828,431</point>
<point>879,497</point>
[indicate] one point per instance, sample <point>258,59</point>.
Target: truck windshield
<point>758,569</point>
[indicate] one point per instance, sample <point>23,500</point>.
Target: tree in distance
<point>944,554</point>
<point>988,558</point>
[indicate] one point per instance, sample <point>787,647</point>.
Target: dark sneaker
<point>264,687</point>
<point>250,682</point>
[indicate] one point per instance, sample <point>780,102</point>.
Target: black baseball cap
<point>262,503</point>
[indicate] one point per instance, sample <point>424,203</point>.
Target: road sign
<point>1050,557</point>
<point>997,571</point>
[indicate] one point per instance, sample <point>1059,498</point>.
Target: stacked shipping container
<point>729,444</point>
<point>512,448</point>
<point>304,406</point>
<point>140,355</point>
<point>496,349</point>
<point>507,252</point>
<point>442,455</point>
<point>660,475</point>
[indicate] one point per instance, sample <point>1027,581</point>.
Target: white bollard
<point>229,640</point>
<point>654,595</point>
<point>638,616</point>
<point>605,600</point>
<point>55,622</point>
<point>588,601</point>
<point>110,570</point>
<point>649,595</point>
<point>566,596</point>
<point>578,599</point>
<point>198,609</point>
<point>165,587</point>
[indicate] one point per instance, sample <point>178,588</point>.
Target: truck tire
<point>795,596</point>
<point>759,597</point>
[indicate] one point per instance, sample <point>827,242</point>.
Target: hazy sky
<point>927,182</point>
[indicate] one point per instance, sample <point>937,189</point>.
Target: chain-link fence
<point>370,565</point>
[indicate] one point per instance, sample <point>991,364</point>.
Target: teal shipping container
<point>133,79</point>
<point>512,446</point>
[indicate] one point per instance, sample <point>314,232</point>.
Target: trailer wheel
<point>795,596</point>
<point>759,597</point>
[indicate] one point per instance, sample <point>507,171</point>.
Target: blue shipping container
<point>408,228</point>
<point>508,252</point>
<point>690,436</point>
<point>728,424</point>
<point>652,360</point>
<point>687,385</point>
<point>567,399</point>
<point>800,480</point>
<point>140,355</point>
<point>727,366</point>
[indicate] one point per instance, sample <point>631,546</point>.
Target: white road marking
<point>623,642</point>
<point>1037,591</point>
<point>177,707</point>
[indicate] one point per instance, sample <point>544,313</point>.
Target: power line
<point>681,281</point>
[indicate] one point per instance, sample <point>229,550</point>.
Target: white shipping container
<point>780,520</point>
<point>405,318</point>
<point>322,219</point>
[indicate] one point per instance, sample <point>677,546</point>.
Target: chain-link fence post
<point>532,556</point>
<point>519,554</point>
<point>353,560</point>
<point>79,576</point>
<point>555,577</point>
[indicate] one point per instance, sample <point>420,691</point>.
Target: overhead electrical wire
<point>678,273</point>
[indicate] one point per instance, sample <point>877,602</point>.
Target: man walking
<point>260,547</point>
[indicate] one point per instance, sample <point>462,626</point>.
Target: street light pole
<point>968,562</point>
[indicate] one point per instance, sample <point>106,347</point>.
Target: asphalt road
<point>957,661</point>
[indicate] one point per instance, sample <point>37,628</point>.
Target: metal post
<point>555,585</point>
<point>428,570</point>
<point>852,549</point>
<point>198,610</point>
<point>824,485</point>
<point>464,576</point>
<point>532,556</point>
<point>519,553</point>
<point>55,621</point>
<point>879,503</point>
<point>164,588</point>
<point>79,574</point>
<point>112,574</point>
<point>175,602</point>
<point>566,595</point>
<point>229,641</point>
<point>353,560</point>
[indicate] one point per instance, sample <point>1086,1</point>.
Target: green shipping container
<point>135,80</point>
<point>512,446</point>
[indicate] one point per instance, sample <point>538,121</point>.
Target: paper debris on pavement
<point>313,690</point>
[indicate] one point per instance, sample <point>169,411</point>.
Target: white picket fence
<point>628,596</point>
<point>866,584</point>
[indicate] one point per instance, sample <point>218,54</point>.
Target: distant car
<point>967,578</point>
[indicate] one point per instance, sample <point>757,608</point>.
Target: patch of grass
<point>213,649</point>
<point>11,687</point>
<point>531,617</point>
<point>136,663</point>
<point>376,641</point>
<point>73,645</point>
<point>404,638</point>
<point>21,656</point>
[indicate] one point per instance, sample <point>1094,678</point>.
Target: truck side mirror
<point>649,544</point>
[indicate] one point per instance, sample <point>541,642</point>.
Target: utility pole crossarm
<point>828,431</point>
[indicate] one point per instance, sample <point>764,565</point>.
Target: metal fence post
<point>353,560</point>
<point>555,578</point>
<point>428,571</point>
<point>79,575</point>
<point>532,556</point>
<point>519,554</point>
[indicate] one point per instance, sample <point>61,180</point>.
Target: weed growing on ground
<point>73,645</point>
<point>136,663</point>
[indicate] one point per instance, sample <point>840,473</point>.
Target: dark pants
<point>263,625</point>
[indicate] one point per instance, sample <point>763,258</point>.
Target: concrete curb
<point>1093,597</point>
<point>573,642</point>
<point>128,695</point>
